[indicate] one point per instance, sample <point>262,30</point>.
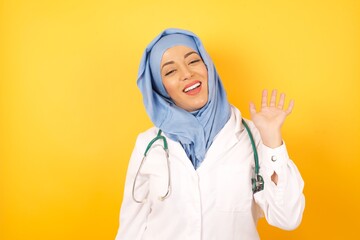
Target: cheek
<point>204,72</point>
<point>170,86</point>
<point>205,75</point>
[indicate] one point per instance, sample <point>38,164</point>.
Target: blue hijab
<point>195,131</point>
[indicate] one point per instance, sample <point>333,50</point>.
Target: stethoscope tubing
<point>257,180</point>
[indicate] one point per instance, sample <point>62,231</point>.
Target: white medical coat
<point>214,202</point>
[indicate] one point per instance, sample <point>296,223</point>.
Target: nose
<point>186,73</point>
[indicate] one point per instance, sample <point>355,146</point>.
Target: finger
<point>252,108</point>
<point>290,107</point>
<point>264,98</point>
<point>281,101</point>
<point>273,98</point>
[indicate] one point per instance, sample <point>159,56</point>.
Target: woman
<point>208,194</point>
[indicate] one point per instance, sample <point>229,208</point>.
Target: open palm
<point>271,117</point>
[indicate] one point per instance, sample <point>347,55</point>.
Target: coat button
<point>273,158</point>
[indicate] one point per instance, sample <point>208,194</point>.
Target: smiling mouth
<point>192,87</point>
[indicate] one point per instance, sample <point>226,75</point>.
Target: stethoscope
<point>257,180</point>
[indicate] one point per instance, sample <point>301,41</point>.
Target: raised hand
<point>270,118</point>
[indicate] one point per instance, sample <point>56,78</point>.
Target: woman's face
<point>184,76</point>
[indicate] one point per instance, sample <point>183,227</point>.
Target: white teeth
<point>192,87</point>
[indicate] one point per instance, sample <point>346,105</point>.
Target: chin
<point>198,107</point>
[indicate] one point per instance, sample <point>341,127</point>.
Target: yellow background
<point>70,109</point>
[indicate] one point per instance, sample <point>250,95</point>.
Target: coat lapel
<point>225,140</point>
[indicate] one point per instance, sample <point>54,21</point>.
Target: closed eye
<point>195,61</point>
<point>169,72</point>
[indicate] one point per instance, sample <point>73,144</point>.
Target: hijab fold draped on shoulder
<point>195,131</point>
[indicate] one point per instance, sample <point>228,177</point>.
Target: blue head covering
<point>194,130</point>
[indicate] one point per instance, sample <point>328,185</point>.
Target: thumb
<point>252,109</point>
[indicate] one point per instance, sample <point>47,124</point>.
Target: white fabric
<point>214,202</point>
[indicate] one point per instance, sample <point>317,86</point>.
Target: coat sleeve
<point>282,203</point>
<point>133,215</point>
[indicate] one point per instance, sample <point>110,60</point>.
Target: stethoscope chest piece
<point>257,183</point>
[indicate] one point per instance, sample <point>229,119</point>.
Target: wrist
<point>271,139</point>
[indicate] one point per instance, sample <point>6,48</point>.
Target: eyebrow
<point>189,53</point>
<point>185,56</point>
<point>167,63</point>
